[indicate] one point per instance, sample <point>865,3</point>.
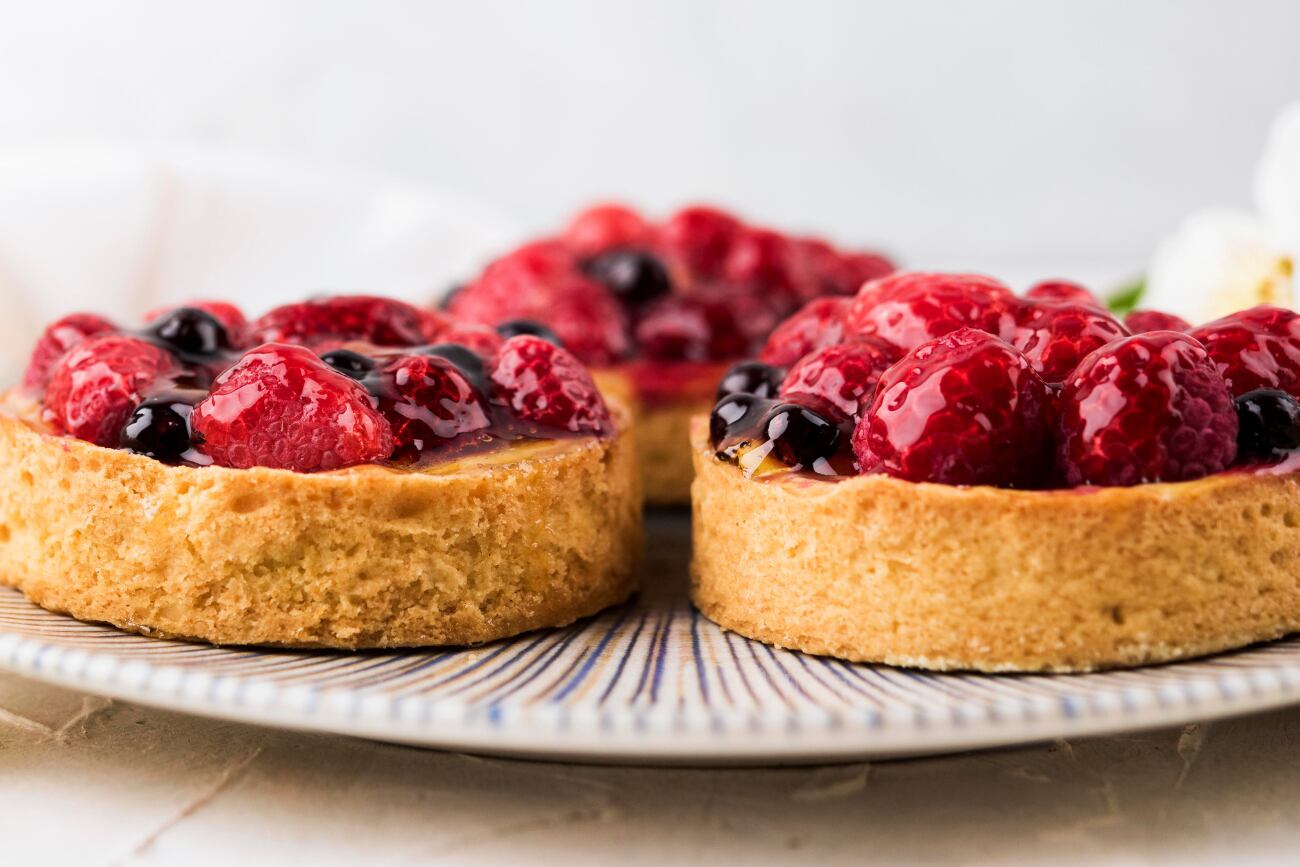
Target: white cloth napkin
<point>119,229</point>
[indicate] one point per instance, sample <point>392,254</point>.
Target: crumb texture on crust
<point>362,557</point>
<point>663,442</point>
<point>875,569</point>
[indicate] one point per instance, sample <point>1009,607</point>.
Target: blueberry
<point>735,415</point>
<point>345,361</point>
<point>803,437</point>
<point>450,296</point>
<point>1268,424</point>
<point>634,276</point>
<point>750,377</point>
<point>466,360</point>
<point>515,327</point>
<point>188,331</point>
<point>159,428</point>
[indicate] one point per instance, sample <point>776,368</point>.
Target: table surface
<point>88,781</point>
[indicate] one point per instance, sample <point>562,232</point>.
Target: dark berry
<point>354,364</point>
<point>634,276</point>
<point>159,428</point>
<point>735,415</point>
<point>190,332</point>
<point>466,360</point>
<point>750,377</point>
<point>515,327</point>
<point>1268,424</point>
<point>450,295</point>
<point>803,437</point>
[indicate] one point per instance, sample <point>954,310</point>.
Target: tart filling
<point>939,473</point>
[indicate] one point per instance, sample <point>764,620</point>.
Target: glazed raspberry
<point>280,406</point>
<point>1139,321</point>
<point>230,316</point>
<point>845,374</point>
<point>479,338</point>
<point>543,282</point>
<point>1056,337</point>
<point>380,321</point>
<point>605,227</point>
<point>97,384</point>
<point>1256,348</point>
<point>691,329</point>
<point>964,409</point>
<point>1066,291</point>
<point>759,260</point>
<point>862,268</point>
<point>1148,408</point>
<point>543,383</point>
<point>699,239</point>
<point>907,309</point>
<point>428,402</point>
<point>57,339</point>
<point>817,324</point>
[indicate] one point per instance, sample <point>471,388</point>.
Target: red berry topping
<point>605,227</point>
<point>907,309</point>
<point>964,409</point>
<point>699,239</point>
<point>1065,291</point>
<point>1056,337</point>
<point>691,329</point>
<point>759,260</point>
<point>1148,408</point>
<point>230,316</point>
<point>1153,320</point>
<point>1256,348</point>
<point>862,268</point>
<point>846,374</point>
<point>380,321</point>
<point>542,282</point>
<point>428,401</point>
<point>819,269</point>
<point>281,406</point>
<point>818,324</point>
<point>57,339</point>
<point>543,383</point>
<point>94,388</point>
<point>480,338</point>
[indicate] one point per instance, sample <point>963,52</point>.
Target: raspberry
<point>545,384</point>
<point>963,409</point>
<point>1056,337</point>
<point>1255,348</point>
<point>862,268</point>
<point>820,269</point>
<point>910,308</point>
<point>428,401</point>
<point>1139,321</point>
<point>692,329</point>
<point>542,282</point>
<point>846,375</point>
<point>230,316</point>
<point>818,324</point>
<point>699,239</point>
<point>480,338</point>
<point>97,384</point>
<point>1065,291</point>
<point>280,406</point>
<point>759,260</point>
<point>56,340</point>
<point>380,321</point>
<point>1148,408</point>
<point>605,227</point>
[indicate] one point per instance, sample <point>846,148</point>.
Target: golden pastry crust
<point>942,577</point>
<point>529,537</point>
<point>663,441</point>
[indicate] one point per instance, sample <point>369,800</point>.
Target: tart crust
<point>875,569</point>
<point>532,536</point>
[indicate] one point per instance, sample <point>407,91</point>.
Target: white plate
<point>649,682</point>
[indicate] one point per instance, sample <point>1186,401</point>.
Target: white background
<point>953,133</point>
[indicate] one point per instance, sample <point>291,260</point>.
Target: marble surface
<point>88,781</point>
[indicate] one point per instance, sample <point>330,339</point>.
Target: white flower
<point>1221,261</point>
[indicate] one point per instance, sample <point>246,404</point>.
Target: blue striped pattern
<point>651,679</point>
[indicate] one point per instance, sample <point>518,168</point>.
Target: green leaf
<point>1127,297</point>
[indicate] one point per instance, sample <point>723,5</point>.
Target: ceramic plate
<point>652,681</point>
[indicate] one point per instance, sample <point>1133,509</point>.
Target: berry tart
<point>940,474</point>
<point>659,310</point>
<point>343,472</point>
